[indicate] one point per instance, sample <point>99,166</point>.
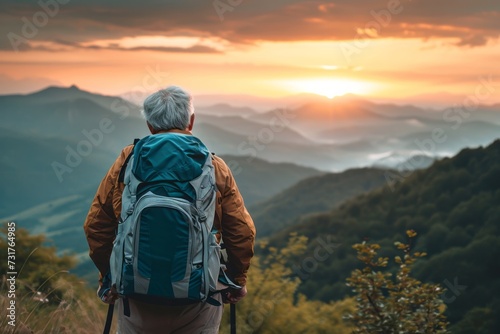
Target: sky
<point>379,49</point>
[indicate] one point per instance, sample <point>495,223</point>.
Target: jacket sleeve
<point>102,218</point>
<point>237,227</point>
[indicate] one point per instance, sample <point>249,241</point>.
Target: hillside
<point>260,180</point>
<point>28,177</point>
<point>453,205</point>
<point>59,142</point>
<point>315,194</point>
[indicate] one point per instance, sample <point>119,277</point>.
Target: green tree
<point>37,265</point>
<point>400,305</point>
<point>273,304</point>
<point>47,298</point>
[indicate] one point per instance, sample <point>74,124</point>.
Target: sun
<point>330,87</point>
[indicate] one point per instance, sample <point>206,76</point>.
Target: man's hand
<point>234,295</point>
<point>106,292</point>
<point>107,295</point>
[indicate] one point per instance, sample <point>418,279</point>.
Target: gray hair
<point>168,108</point>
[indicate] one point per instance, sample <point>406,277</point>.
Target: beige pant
<point>200,318</point>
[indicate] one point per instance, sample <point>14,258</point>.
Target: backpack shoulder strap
<point>121,176</point>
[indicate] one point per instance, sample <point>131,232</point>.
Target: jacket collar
<point>184,132</point>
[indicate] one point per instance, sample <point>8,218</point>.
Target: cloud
<point>83,22</point>
<point>193,49</point>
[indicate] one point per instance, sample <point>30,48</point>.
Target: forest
<point>453,205</point>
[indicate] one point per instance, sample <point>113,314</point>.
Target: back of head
<point>169,108</point>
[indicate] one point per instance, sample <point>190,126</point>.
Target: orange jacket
<point>231,218</point>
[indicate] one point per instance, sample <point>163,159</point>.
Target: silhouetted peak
<point>60,92</point>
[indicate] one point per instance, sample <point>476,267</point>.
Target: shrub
<point>399,303</point>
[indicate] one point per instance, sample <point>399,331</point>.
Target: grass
<point>67,308</point>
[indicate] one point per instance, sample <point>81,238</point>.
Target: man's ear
<point>191,122</point>
<point>151,129</point>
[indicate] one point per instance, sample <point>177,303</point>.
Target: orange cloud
<point>84,22</point>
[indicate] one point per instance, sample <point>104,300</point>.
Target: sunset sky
<point>271,48</point>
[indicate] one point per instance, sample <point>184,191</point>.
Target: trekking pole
<point>232,317</point>
<point>109,319</point>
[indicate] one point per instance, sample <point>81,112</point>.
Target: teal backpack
<point>165,250</point>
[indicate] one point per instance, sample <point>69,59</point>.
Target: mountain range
<point>80,134</point>
<point>453,207</point>
<point>57,145</point>
<point>304,168</point>
<point>314,194</point>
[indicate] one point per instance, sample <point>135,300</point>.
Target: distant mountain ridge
<point>312,195</point>
<point>248,126</point>
<point>452,205</point>
<point>55,94</point>
<point>224,109</point>
<point>260,180</point>
<point>328,134</point>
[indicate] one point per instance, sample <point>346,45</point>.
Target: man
<point>171,111</point>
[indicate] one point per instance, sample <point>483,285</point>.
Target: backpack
<point>166,250</point>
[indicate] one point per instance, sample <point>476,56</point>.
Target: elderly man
<point>170,113</point>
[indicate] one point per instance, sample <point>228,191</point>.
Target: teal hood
<point>169,157</point>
